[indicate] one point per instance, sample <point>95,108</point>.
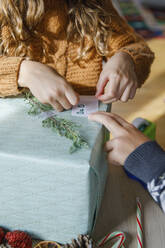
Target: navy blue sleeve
<point>147,165</point>
<point>146,162</point>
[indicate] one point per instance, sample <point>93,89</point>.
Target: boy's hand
<point>117,80</point>
<point>47,85</point>
<point>126,138</point>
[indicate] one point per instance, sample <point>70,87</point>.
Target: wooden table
<point>118,211</point>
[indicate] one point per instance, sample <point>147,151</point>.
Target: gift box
<point>45,190</point>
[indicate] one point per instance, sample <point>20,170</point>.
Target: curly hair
<point>87,19</point>
<point>21,17</point>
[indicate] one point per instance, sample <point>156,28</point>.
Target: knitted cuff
<point>147,162</point>
<point>142,57</point>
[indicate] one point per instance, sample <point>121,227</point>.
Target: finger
<point>110,101</point>
<point>122,87</point>
<point>65,103</point>
<point>111,90</point>
<point>133,92</point>
<point>72,96</point>
<point>126,94</point>
<point>57,106</point>
<point>108,146</point>
<point>108,121</point>
<point>121,121</point>
<point>116,117</point>
<point>103,80</point>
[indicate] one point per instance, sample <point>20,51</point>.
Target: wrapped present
<point>45,190</point>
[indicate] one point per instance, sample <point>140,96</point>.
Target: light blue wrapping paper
<point>45,190</point>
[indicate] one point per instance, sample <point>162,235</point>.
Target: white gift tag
<point>86,106</point>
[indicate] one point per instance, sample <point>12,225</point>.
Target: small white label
<point>86,106</point>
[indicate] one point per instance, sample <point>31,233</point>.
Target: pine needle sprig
<point>59,125</point>
<point>67,129</point>
<point>36,107</point>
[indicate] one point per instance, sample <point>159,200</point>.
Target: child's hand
<point>126,138</point>
<point>47,86</point>
<point>117,80</point>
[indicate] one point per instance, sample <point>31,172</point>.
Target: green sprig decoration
<point>59,125</point>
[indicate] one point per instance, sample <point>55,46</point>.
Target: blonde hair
<point>87,19</point>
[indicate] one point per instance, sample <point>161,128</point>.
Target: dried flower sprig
<point>59,125</point>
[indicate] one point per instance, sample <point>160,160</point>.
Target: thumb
<point>72,96</point>
<point>101,85</point>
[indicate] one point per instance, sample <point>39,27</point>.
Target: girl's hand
<point>47,85</point>
<point>117,80</point>
<point>126,138</point>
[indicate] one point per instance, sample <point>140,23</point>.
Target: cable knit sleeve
<point>124,38</point>
<point>9,66</point>
<point>9,69</point>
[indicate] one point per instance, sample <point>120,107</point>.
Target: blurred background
<point>154,2</point>
<point>147,17</point>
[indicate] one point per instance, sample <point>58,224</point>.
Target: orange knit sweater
<point>61,53</point>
